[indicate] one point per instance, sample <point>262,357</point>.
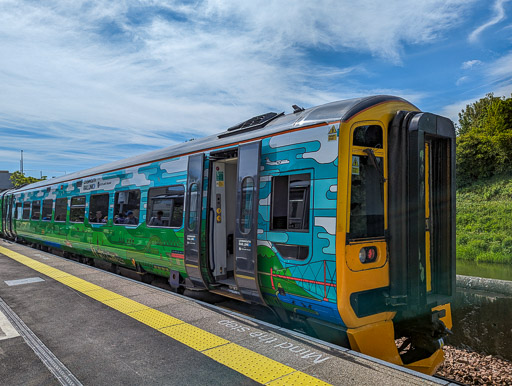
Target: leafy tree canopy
<point>484,142</point>
<point>19,179</point>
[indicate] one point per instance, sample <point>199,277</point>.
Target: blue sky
<point>87,82</point>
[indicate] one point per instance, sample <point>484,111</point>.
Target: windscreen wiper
<point>375,164</point>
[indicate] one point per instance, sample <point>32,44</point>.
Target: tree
<point>484,142</point>
<point>19,179</point>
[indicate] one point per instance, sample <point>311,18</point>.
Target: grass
<point>484,221</point>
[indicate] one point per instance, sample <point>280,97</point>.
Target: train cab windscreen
<point>367,184</point>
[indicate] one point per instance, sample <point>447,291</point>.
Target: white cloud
<point>499,15</point>
<point>118,74</point>
<point>461,80</point>
<point>496,79</point>
<point>470,64</point>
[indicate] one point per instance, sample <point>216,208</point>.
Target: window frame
<point>17,212</point>
<point>171,214</point>
<point>114,213</point>
<point>25,205</point>
<point>43,212</point>
<point>307,210</point>
<point>379,152</point>
<point>197,206</point>
<point>106,213</point>
<point>247,209</point>
<point>71,207</point>
<point>32,211</point>
<point>66,210</point>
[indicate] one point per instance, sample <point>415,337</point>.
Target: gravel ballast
<point>472,368</point>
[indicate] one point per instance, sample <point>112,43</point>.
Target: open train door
<point>246,232</point>
<point>193,217</point>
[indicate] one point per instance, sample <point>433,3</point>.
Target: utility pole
<point>21,163</point>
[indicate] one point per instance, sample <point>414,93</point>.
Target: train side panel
<point>154,249</point>
<point>297,261</point>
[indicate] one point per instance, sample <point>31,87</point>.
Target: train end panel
<point>396,234</point>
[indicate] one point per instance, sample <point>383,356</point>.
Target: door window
<point>193,205</point>
<point>246,207</point>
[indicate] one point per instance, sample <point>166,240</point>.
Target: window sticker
<point>355,165</point>
<point>219,179</point>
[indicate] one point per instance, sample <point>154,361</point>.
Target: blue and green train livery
<point>340,218</point>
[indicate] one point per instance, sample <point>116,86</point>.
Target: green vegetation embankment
<point>484,181</point>
<point>484,220</point>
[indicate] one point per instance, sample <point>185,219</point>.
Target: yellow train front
<point>395,240</point>
<point>340,218</point>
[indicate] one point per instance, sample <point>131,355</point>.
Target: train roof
<point>330,112</point>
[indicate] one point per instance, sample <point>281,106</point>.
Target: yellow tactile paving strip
<point>249,363</point>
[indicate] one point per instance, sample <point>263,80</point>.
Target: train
<point>339,218</point>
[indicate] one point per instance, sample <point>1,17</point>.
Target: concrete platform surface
<point>97,328</point>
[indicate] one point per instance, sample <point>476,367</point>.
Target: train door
<point>2,212</point>
<point>194,226</point>
<point>233,208</point>
<point>7,214</point>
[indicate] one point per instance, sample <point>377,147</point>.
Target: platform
<point>64,322</point>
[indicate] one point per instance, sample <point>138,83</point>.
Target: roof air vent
<point>254,123</point>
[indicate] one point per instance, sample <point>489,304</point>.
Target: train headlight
<point>367,255</point>
<point>362,255</point>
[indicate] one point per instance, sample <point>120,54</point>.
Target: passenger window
<point>246,205</point>
<point>290,202</point>
<point>127,207</point>
<point>18,211</point>
<point>47,210</point>
<point>61,209</point>
<point>368,136</point>
<point>98,208</point>
<point>77,209</point>
<point>36,210</point>
<point>193,204</point>
<point>26,210</point>
<point>165,206</point>
<point>367,199</point>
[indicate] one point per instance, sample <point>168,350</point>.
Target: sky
<point>84,83</point>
